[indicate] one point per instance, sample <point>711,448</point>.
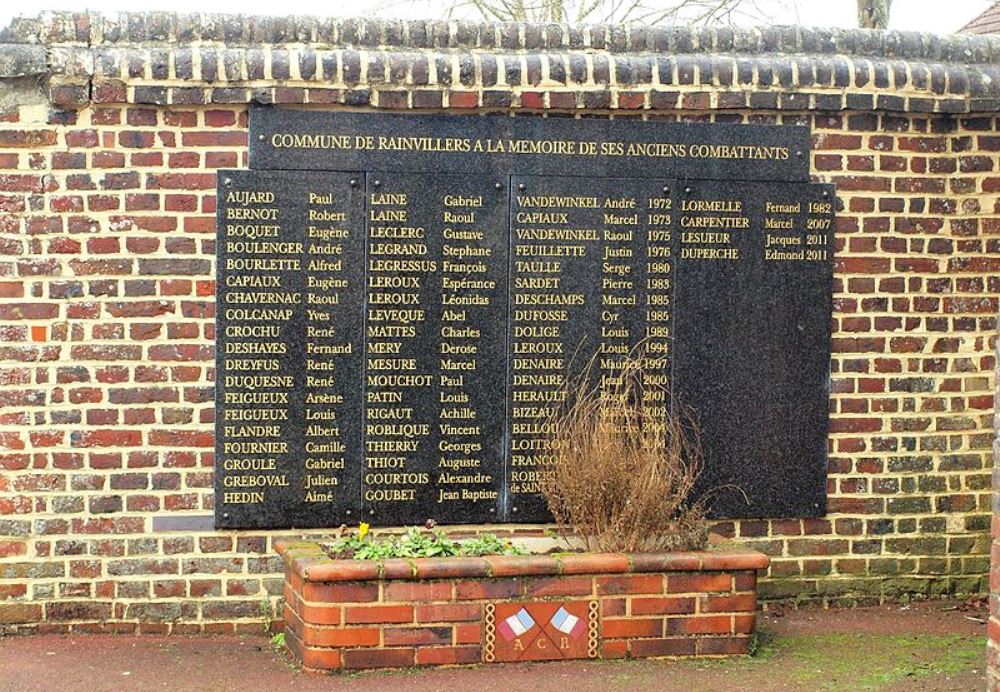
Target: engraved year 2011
<point>816,239</point>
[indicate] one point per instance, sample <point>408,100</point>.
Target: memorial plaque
<point>436,341</point>
<point>396,324</point>
<point>591,263</point>
<point>752,348</point>
<point>289,356</point>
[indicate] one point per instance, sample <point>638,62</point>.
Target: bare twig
<point>624,462</point>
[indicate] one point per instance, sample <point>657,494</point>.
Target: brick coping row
<point>307,560</point>
<point>166,58</point>
<point>164,28</point>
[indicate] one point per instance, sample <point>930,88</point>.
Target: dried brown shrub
<point>624,463</point>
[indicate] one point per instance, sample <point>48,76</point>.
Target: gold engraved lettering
<point>234,498</point>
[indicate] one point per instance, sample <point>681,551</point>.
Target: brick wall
<point>111,130</point>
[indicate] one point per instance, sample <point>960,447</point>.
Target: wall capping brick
<point>164,58</point>
<point>246,30</point>
<point>21,61</point>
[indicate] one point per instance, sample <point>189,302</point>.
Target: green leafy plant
<point>266,613</point>
<point>488,544</point>
<point>417,543</point>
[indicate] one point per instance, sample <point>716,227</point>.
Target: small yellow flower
<point>363,530</point>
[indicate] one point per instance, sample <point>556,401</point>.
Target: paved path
<point>933,646</point>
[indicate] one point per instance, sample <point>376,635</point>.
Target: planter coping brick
<point>307,560</point>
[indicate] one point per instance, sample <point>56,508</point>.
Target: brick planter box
<point>348,614</point>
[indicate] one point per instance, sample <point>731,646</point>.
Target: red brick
<point>443,568</point>
<point>708,624</point>
<point>611,607</point>
<point>340,593</point>
<point>417,591</point>
<point>320,615</point>
<point>669,562</point>
<point>662,647</point>
<point>594,563</point>
<point>31,139</point>
<point>468,634</point>
<point>316,659</point>
<point>631,627</point>
<point>400,636</point>
<point>532,99</point>
<point>632,583</point>
<point>12,548</point>
<point>614,649</point>
<point>745,602</point>
<point>509,566</point>
<point>448,612</point>
<point>16,613</point>
<point>343,570</point>
<point>463,99</point>
<point>379,658</point>
<point>662,606</point>
<point>378,613</point>
<point>448,655</point>
<point>560,586</point>
<point>486,589</point>
<point>723,646</point>
<point>313,635</point>
<point>631,99</point>
<point>10,591</point>
<point>195,138</point>
<point>11,289</point>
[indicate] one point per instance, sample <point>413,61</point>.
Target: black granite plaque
<point>435,347</point>
<point>301,139</point>
<point>391,341</point>
<point>591,278</point>
<point>752,340</point>
<point>290,302</point>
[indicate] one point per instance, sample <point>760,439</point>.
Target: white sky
<point>937,16</point>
